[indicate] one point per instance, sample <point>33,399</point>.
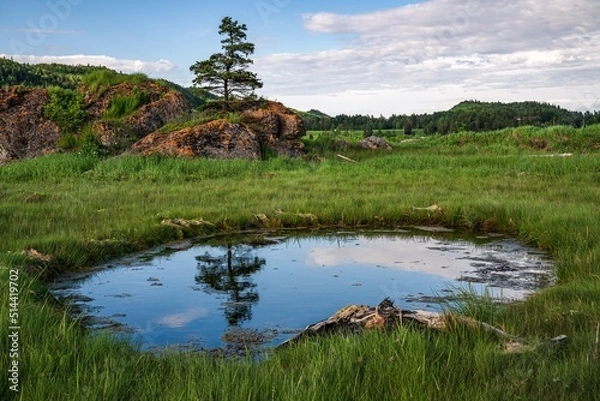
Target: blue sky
<point>377,57</point>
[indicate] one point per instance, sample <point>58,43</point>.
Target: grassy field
<point>76,210</point>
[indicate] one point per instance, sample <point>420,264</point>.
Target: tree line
<point>466,116</point>
<point>469,115</point>
<point>43,75</point>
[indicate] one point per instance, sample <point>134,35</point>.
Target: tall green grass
<point>122,106</point>
<point>80,210</point>
<point>520,140</point>
<point>99,81</point>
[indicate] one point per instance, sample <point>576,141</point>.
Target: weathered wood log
<point>346,159</point>
<point>354,318</point>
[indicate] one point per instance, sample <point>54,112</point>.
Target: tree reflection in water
<point>230,274</point>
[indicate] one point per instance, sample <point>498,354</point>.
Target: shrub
<point>67,141</point>
<point>66,108</point>
<point>91,145</point>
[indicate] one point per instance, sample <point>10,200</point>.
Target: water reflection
<point>231,274</point>
<point>282,284</point>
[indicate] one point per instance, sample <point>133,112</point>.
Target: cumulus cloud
<point>128,66</point>
<point>549,46</point>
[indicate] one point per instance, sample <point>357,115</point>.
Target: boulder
<point>374,143</point>
<point>155,114</point>
<point>218,139</point>
<point>278,128</point>
<point>24,132</point>
<point>274,119</point>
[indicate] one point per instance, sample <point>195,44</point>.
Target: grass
<point>122,106</point>
<point>80,210</point>
<point>99,81</point>
<point>198,118</point>
<point>558,139</point>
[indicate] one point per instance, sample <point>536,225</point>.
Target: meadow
<point>70,211</point>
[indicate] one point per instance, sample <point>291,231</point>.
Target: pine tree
<point>226,73</point>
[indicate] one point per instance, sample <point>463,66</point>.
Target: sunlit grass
<point>81,210</point>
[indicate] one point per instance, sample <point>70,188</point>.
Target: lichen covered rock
<point>374,143</point>
<point>162,105</point>
<point>24,132</point>
<point>263,126</point>
<point>217,139</point>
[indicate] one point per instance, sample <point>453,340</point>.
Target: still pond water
<point>194,294</point>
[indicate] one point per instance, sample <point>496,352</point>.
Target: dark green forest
<point>469,115</point>
<point>43,75</point>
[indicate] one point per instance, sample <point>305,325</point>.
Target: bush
<point>66,108</point>
<point>67,141</point>
<point>90,144</point>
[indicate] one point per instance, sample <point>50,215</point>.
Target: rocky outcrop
<point>155,114</point>
<point>273,119</point>
<point>217,139</point>
<point>162,106</point>
<point>24,132</point>
<point>263,125</point>
<point>278,128</point>
<point>374,143</point>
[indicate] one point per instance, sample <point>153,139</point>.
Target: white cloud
<point>524,49</point>
<point>178,320</point>
<point>128,66</point>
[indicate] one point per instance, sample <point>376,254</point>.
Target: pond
<point>203,295</point>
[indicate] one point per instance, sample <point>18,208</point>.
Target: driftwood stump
<point>354,318</point>
<point>357,317</point>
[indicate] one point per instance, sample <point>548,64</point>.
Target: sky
<point>377,57</point>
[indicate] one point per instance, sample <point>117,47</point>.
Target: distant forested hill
<point>465,116</point>
<point>42,75</point>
